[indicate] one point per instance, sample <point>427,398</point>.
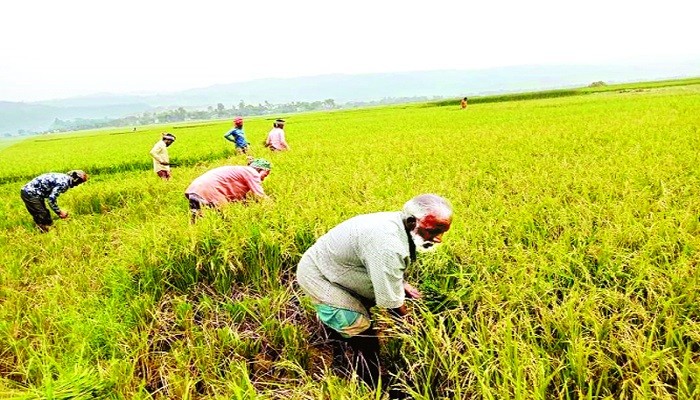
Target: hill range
<point>38,116</point>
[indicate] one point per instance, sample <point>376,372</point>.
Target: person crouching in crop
<point>360,263</point>
<point>227,184</point>
<point>49,186</point>
<point>161,159</point>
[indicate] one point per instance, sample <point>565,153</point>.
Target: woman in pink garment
<point>226,184</point>
<point>275,139</point>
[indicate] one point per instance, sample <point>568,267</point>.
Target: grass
<point>570,270</point>
<point>549,94</point>
<point>7,142</point>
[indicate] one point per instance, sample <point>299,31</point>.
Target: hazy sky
<point>53,49</point>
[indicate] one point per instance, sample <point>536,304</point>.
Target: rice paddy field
<point>570,271</point>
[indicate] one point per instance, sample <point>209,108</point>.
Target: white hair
<point>427,204</point>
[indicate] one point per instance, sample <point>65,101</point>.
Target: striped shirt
<point>364,256</point>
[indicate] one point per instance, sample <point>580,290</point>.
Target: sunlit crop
<point>571,270</point>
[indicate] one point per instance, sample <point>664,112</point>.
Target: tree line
<point>220,111</point>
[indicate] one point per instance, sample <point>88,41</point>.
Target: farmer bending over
<point>360,263</point>
<point>49,186</point>
<point>226,184</point>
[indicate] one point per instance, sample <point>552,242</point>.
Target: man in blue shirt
<point>49,186</point>
<point>237,136</point>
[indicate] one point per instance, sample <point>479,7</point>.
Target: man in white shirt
<point>360,263</point>
<point>161,160</point>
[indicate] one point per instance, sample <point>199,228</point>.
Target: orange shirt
<point>228,183</point>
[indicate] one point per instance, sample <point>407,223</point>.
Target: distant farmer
<point>161,160</point>
<point>275,139</point>
<point>49,186</point>
<point>227,184</point>
<point>360,263</point>
<point>464,103</point>
<point>237,136</point>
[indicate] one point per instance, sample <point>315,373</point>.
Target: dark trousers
<point>364,354</point>
<point>37,208</point>
<point>196,205</point>
<point>364,358</point>
<point>164,174</point>
<point>195,201</point>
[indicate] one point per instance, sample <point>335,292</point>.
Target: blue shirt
<point>49,186</point>
<point>237,136</point>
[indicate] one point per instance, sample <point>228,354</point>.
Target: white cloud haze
<point>52,49</point>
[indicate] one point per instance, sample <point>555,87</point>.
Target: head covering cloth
<point>78,176</point>
<point>260,163</point>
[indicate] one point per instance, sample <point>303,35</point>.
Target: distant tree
<point>329,103</point>
<point>597,84</point>
<point>220,111</point>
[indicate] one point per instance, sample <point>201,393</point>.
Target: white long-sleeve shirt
<point>365,255</point>
<point>159,152</point>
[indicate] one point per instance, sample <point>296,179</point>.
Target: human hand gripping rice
<point>360,263</point>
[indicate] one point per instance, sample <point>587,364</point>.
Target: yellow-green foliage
<point>570,270</point>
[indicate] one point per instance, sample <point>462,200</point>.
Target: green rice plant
<point>570,270</point>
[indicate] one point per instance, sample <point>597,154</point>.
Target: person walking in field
<point>237,136</point>
<point>49,186</point>
<point>275,139</point>
<point>360,263</point>
<point>161,160</point>
<point>464,103</point>
<point>227,184</point>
